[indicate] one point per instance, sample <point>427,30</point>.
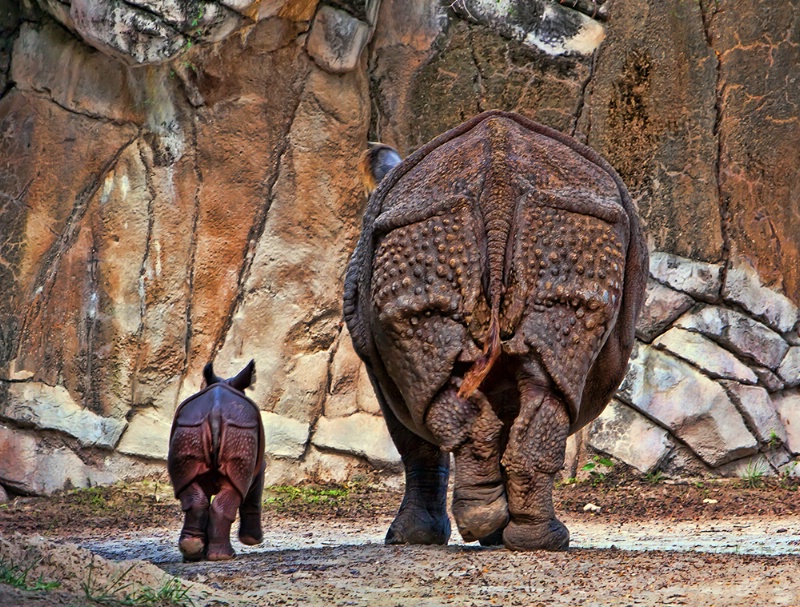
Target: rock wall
<point>178,185</point>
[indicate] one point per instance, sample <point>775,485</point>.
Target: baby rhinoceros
<point>493,297</point>
<point>216,448</point>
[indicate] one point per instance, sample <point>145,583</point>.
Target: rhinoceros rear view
<point>493,296</point>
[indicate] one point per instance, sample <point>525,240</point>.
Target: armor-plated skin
<point>493,296</point>
<point>217,448</point>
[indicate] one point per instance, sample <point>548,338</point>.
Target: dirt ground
<point>709,543</point>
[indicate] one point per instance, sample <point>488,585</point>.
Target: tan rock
<point>51,62</point>
<point>147,435</point>
<point>284,437</point>
<point>360,434</point>
<point>52,408</point>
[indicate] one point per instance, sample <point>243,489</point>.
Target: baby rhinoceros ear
<point>209,375</point>
<point>245,378</point>
<point>376,163</point>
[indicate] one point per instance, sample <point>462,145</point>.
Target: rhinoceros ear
<point>209,375</point>
<point>376,163</point>
<point>246,377</point>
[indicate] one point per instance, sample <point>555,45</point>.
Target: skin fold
<point>493,297</point>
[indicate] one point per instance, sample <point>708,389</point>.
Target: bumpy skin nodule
<point>217,448</point>
<point>493,296</point>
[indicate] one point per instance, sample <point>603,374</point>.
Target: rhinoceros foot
<point>220,553</point>
<point>479,518</point>
<point>549,535</point>
<point>417,525</point>
<point>192,548</point>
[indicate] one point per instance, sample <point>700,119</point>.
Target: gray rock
<point>778,457</point>
<point>132,35</point>
<point>705,354</point>
<point>360,434</point>
<point>793,337</point>
<point>546,26</point>
<point>789,370</point>
<point>699,279</point>
<point>787,404</point>
<point>768,379</point>
<point>738,332</point>
<point>284,437</point>
<point>743,287</point>
<point>611,433</point>
<point>52,408</point>
<point>3,495</point>
<point>662,305</point>
<point>153,32</point>
<point>758,410</point>
<point>336,40</point>
<point>693,407</point>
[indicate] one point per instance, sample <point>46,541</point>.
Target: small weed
<point>93,497</point>
<point>14,576</point>
<point>654,477</point>
<point>596,477</point>
<point>171,593</point>
<point>308,495</point>
<point>774,440</point>
<point>753,474</point>
<point>789,479</point>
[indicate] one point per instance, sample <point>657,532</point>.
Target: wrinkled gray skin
<point>493,297</point>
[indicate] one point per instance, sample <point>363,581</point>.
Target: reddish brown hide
<point>493,296</point>
<point>216,449</point>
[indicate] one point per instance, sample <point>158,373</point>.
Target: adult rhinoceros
<point>493,296</point>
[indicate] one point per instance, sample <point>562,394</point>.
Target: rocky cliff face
<point>178,185</point>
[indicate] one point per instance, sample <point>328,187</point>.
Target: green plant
<point>753,474</point>
<point>171,593</point>
<point>596,476</point>
<point>773,440</point>
<point>15,576</point>
<point>308,495</point>
<point>789,479</point>
<point>94,497</point>
<point>654,477</point>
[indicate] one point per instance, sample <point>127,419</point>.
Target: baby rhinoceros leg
<point>535,453</point>
<point>470,429</point>
<point>250,532</point>
<point>221,516</point>
<point>194,503</point>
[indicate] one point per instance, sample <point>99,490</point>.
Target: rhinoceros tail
<point>481,367</point>
<point>215,425</point>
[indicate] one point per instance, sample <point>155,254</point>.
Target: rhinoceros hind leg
<point>535,453</point>
<point>222,514</point>
<point>470,428</point>
<point>250,532</point>
<point>194,503</point>
<point>422,517</point>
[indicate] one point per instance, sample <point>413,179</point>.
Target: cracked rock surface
<point>179,185</point>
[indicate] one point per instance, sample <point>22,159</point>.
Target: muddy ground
<point>706,543</point>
